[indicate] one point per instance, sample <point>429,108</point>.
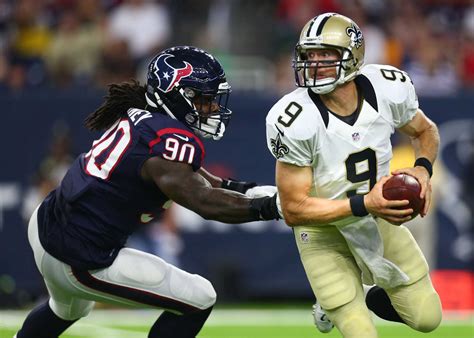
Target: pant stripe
<point>136,295</point>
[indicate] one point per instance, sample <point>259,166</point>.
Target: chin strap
<point>218,129</point>
<point>215,130</point>
<point>160,103</point>
<point>220,133</point>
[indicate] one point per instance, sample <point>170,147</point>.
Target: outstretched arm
<point>230,184</point>
<point>215,181</point>
<point>189,189</point>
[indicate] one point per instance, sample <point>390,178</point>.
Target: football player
<point>151,153</point>
<point>331,140</point>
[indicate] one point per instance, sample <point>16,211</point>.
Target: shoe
<point>321,320</point>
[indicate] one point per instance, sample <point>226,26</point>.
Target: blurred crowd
<point>91,43</point>
<point>82,44</point>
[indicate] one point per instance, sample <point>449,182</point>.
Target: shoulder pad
<point>136,115</point>
<point>168,138</point>
<point>395,91</point>
<point>178,145</point>
<point>295,115</point>
<point>390,82</point>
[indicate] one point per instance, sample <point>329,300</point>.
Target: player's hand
<point>261,191</point>
<point>423,177</point>
<point>267,207</point>
<point>239,186</point>
<point>377,205</point>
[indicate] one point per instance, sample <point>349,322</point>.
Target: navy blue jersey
<point>103,199</point>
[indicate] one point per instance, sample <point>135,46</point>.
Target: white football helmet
<point>329,30</point>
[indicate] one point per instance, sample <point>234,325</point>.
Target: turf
<point>228,323</point>
<point>461,331</point>
<point>309,332</point>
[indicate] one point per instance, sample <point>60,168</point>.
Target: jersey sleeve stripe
<point>178,131</point>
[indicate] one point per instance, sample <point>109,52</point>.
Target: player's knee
<point>430,314</point>
<point>331,301</point>
<point>353,320</point>
<point>206,294</point>
<point>192,289</point>
<point>84,310</point>
<point>71,311</point>
<point>334,293</point>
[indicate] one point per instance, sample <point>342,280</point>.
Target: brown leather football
<point>404,187</point>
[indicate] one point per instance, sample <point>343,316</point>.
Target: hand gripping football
<point>404,187</point>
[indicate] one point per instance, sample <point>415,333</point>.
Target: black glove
<point>265,208</point>
<point>239,186</point>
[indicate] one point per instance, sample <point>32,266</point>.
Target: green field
<point>232,323</point>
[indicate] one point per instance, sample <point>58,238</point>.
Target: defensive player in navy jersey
<point>149,155</point>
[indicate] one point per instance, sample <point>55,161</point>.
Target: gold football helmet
<point>329,31</point>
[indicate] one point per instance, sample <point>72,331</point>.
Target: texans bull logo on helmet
<point>168,75</point>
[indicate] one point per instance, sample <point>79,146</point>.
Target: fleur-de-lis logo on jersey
<point>278,148</point>
<point>355,34</point>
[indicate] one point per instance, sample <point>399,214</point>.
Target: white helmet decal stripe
<point>323,22</point>
<point>318,24</point>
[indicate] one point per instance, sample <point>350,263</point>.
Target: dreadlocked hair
<point>120,98</point>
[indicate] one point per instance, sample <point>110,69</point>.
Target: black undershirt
<point>351,119</point>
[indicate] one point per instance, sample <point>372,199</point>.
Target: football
<point>404,187</point>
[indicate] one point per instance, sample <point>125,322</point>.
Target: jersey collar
<point>366,92</point>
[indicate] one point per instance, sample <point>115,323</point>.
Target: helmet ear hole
<point>191,118</point>
<point>190,93</point>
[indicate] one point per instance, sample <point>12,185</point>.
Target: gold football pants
<point>336,279</point>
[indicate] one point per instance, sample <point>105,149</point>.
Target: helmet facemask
<point>209,115</point>
<point>306,70</point>
<point>206,113</point>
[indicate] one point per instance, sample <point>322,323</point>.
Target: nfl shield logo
<point>304,237</point>
<point>355,137</point>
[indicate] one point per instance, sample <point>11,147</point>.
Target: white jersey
<point>346,159</point>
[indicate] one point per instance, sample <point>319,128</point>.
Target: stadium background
<point>57,56</point>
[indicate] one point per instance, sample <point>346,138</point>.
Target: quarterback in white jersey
<point>347,158</point>
<point>331,139</point>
